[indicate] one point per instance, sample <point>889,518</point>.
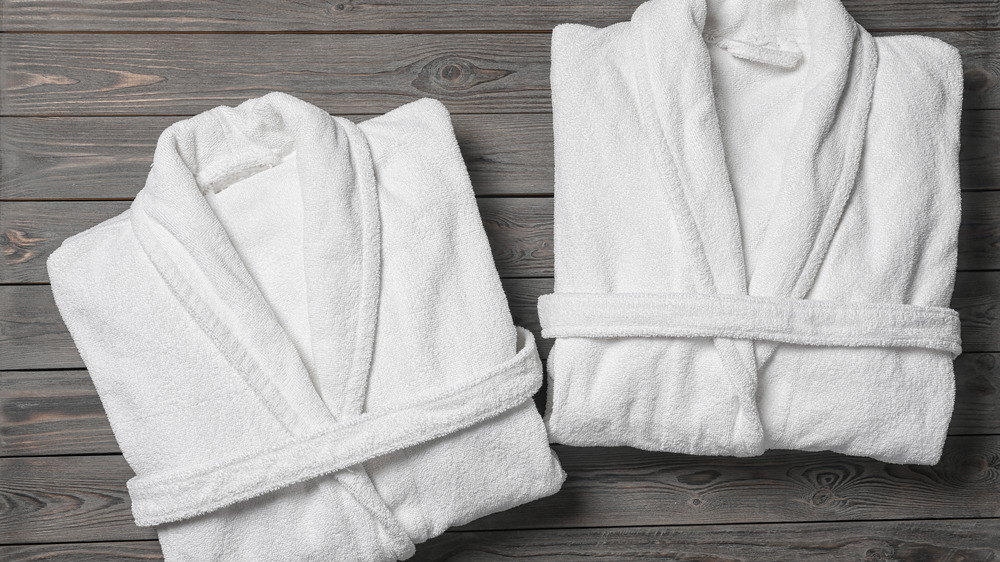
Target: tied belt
<point>782,320</point>
<point>176,495</point>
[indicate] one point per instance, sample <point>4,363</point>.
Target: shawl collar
<point>820,164</point>
<point>191,250</point>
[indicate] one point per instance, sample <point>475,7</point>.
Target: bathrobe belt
<point>177,495</point>
<point>783,320</point>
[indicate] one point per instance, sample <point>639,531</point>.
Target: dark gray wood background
<point>86,87</point>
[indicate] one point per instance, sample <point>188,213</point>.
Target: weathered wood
<point>109,157</point>
<point>56,413</point>
<point>32,336</point>
<point>972,540</point>
<point>67,499</point>
<point>59,412</point>
<point>519,230</point>
<point>168,74</point>
<point>122,551</point>
<point>413,15</point>
<point>925,541</point>
<point>979,157</point>
<point>176,74</point>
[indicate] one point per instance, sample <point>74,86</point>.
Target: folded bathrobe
<point>756,214</point>
<point>301,341</point>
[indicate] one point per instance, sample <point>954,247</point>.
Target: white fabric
<point>301,340</point>
<point>756,215</point>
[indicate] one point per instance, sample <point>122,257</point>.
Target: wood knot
<point>822,497</point>
<point>979,79</point>
<point>17,246</point>
<point>346,6</point>
<point>878,555</point>
<point>451,74</point>
<point>696,502</point>
<point>700,478</point>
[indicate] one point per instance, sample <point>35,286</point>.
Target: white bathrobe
<point>301,341</point>
<point>756,214</point>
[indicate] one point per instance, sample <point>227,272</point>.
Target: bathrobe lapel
<point>186,242</point>
<point>823,155</point>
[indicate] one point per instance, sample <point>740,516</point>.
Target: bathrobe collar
<point>823,155</point>
<point>188,245</point>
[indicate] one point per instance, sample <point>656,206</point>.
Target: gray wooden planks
<point>413,15</point>
<point>59,412</point>
<point>32,335</point>
<point>169,74</point>
<point>83,498</point>
<point>118,551</point>
<point>928,541</point>
<point>109,157</point>
<point>177,74</point>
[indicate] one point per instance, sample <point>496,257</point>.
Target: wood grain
<point>519,231</point>
<point>167,74</point>
<point>109,157</point>
<point>59,412</point>
<point>67,499</point>
<point>176,74</point>
<point>413,15</point>
<point>971,540</point>
<point>32,336</point>
<point>924,541</point>
<point>122,551</point>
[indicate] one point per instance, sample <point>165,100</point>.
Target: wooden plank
<point>68,499</point>
<point>972,540</point>
<point>56,413</point>
<point>168,74</point>
<point>59,412</point>
<point>979,157</point>
<point>413,15</point>
<point>121,551</point>
<point>32,336</point>
<point>519,231</point>
<point>109,157</point>
<point>176,74</point>
<point>926,541</point>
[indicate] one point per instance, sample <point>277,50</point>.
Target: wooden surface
<point>85,89</point>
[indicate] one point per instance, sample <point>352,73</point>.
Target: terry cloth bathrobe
<point>301,340</point>
<point>756,213</point>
